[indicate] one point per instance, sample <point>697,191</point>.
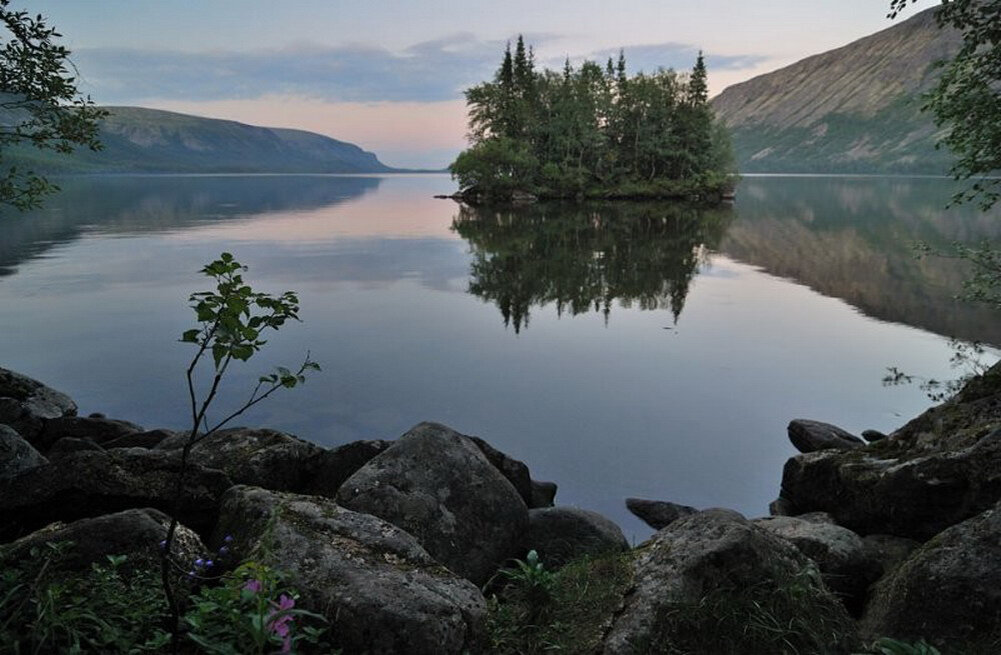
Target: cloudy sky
<point>389,74</point>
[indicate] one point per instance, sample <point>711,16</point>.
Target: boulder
<point>148,439</point>
<point>810,436</point>
<point>658,514</point>
<point>97,429</point>
<point>16,454</point>
<point>330,468</point>
<point>68,445</point>
<point>561,534</point>
<point>873,435</point>
<point>25,404</point>
<point>839,554</point>
<point>947,592</point>
<point>438,486</point>
<point>717,559</point>
<point>781,507</point>
<point>543,494</point>
<point>889,551</point>
<point>92,483</point>
<point>265,458</point>
<point>514,470</point>
<point>880,489</point>
<point>136,533</point>
<point>380,590</point>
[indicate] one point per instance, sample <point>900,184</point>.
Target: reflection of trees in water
<point>584,257</point>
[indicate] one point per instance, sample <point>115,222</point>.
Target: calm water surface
<point>646,350</point>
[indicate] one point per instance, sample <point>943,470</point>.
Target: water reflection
<point>852,238</point>
<point>135,205</point>
<point>585,257</point>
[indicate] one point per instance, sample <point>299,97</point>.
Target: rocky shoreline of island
<point>436,542</point>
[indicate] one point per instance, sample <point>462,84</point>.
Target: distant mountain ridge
<point>853,109</point>
<point>143,140</point>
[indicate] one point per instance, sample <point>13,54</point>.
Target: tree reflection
<point>586,257</point>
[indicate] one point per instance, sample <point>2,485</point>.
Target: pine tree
<point>698,87</point>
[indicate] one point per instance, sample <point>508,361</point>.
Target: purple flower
<point>253,586</point>
<point>163,545</point>
<point>280,625</point>
<point>208,563</point>
<point>199,563</point>
<point>191,575</point>
<point>228,539</point>
<point>224,550</point>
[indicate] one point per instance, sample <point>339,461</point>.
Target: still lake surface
<point>648,350</point>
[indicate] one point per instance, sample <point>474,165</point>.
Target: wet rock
<point>25,404</point>
<point>91,483</point>
<point>561,534</point>
<point>331,468</point>
<point>878,490</point>
<point>135,533</point>
<point>543,494</point>
<point>658,514</point>
<point>265,458</point>
<point>16,454</point>
<point>810,436</point>
<point>68,445</point>
<point>380,590</point>
<point>438,486</point>
<point>947,592</point>
<point>98,430</point>
<point>839,554</point>
<point>711,552</point>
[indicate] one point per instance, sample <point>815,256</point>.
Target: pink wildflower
<point>280,625</point>
<point>253,586</point>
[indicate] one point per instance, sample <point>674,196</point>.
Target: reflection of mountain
<point>587,256</point>
<point>131,205</point>
<point>853,238</point>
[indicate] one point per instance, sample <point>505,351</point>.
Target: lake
<point>648,349</point>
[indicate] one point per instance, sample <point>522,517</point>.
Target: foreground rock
<point>561,534</point>
<point>713,567</point>
<point>841,556</point>
<point>16,454</point>
<point>947,592</point>
<point>437,485</point>
<point>381,591</point>
<point>92,483</point>
<point>810,436</point>
<point>658,514</point>
<point>25,403</point>
<point>266,458</point>
<point>135,533</point>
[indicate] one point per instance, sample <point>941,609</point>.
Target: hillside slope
<point>853,109</point>
<point>153,141</point>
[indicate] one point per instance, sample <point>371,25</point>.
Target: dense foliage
<point>39,102</point>
<point>592,131</point>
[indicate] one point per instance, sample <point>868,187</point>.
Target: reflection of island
<point>584,257</point>
<point>852,238</point>
<point>133,205</point>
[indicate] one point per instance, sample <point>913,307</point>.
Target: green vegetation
<point>39,103</point>
<point>592,132</point>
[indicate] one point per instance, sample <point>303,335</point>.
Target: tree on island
<point>592,132</point>
<point>39,103</point>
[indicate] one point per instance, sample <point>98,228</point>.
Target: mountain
<point>856,109</point>
<point>154,141</point>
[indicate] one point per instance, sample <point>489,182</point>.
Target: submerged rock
<point>25,404</point>
<point>810,436</point>
<point>658,514</point>
<point>561,534</point>
<point>437,485</point>
<point>380,590</point>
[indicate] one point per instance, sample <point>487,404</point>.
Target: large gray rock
<point>96,428</point>
<point>839,553</point>
<point>91,483</point>
<point>261,457</point>
<point>25,403</point>
<point>810,436</point>
<point>68,445</point>
<point>514,470</point>
<point>947,592</point>
<point>437,485</point>
<point>561,534</point>
<point>658,514</point>
<point>380,590</point>
<point>887,490</point>
<point>543,494</point>
<point>331,468</point>
<point>711,553</point>
<point>135,533</point>
<point>888,550</point>
<point>16,454</point>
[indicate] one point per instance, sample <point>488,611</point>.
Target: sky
<point>388,75</point>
